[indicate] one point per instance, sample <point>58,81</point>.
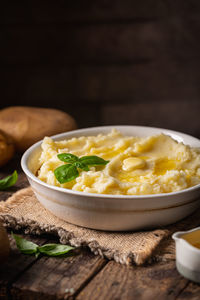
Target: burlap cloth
<point>23,211</point>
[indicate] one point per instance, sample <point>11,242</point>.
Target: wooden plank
<point>41,12</point>
<point>53,86</point>
<point>183,8</point>
<point>73,44</point>
<point>192,292</point>
<point>85,114</point>
<point>183,32</point>
<point>161,281</point>
<point>175,38</point>
<point>16,264</point>
<point>69,11</point>
<point>57,278</point>
<point>169,114</point>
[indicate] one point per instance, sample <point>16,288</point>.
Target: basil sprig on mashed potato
<point>69,171</point>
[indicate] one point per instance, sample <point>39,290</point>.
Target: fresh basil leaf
<point>68,157</point>
<point>81,165</point>
<point>25,246</point>
<point>55,249</point>
<point>66,173</point>
<point>8,181</point>
<point>93,160</point>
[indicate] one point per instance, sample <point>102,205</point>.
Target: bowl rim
<point>28,173</point>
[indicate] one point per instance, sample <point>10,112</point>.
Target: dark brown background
<point>104,62</point>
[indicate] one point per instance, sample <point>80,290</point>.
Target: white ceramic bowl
<point>113,212</point>
<point>187,256</point>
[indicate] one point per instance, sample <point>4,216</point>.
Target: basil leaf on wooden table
<point>9,181</point>
<point>68,172</point>
<point>55,249</point>
<point>27,247</point>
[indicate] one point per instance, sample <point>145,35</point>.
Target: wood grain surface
<point>57,277</point>
<point>40,12</point>
<point>161,281</point>
<point>15,265</point>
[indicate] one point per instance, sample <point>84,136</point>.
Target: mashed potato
<point>137,166</point>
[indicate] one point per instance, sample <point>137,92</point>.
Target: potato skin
<point>7,148</point>
<point>27,125</point>
<point>4,243</point>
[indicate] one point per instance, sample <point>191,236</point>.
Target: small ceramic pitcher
<point>188,253</point>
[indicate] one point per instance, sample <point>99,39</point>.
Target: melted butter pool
<point>193,238</point>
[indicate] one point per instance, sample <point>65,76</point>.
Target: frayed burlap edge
<point>32,227</point>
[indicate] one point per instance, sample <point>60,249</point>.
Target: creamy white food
<point>137,166</point>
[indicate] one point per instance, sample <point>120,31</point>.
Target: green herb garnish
<point>69,171</point>
<point>66,173</point>
<point>55,249</point>
<point>27,247</point>
<point>8,181</point>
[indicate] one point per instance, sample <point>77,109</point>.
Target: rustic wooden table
<point>84,275</point>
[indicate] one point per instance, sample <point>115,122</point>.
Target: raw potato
<point>7,148</point>
<point>4,243</point>
<point>27,125</point>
